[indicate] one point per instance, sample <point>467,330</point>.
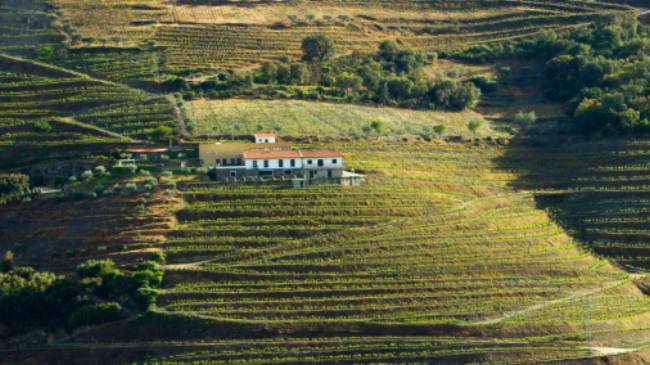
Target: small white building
<point>320,163</point>
<point>282,163</point>
<point>264,138</point>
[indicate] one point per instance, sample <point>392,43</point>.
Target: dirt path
<point>536,307</point>
<point>186,266</point>
<point>609,351</point>
<point>180,123</point>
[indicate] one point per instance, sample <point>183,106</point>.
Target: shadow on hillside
<point>597,191</point>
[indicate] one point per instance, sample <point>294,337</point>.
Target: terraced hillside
<point>27,25</point>
<point>597,190</point>
<point>434,244</point>
<point>56,235</point>
<point>219,35</point>
<point>132,66</point>
<point>35,91</point>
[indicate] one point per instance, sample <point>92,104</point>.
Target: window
<point>321,163</point>
<point>266,163</point>
<point>293,163</point>
<point>233,173</point>
<point>281,163</point>
<point>329,173</point>
<point>266,173</point>
<point>287,172</point>
<point>309,162</point>
<point>266,141</point>
<point>254,164</point>
<point>334,161</point>
<point>239,162</point>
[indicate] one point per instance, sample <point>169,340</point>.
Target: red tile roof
<point>262,154</point>
<point>147,149</point>
<point>263,135</point>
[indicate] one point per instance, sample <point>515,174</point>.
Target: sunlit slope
<point>219,35</point>
<point>296,118</point>
<point>435,242</point>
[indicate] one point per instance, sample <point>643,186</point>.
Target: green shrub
<point>95,314</point>
<point>100,170</point>
<point>159,257</point>
<point>96,268</point>
<point>145,298</point>
<point>87,175</point>
<point>42,127</point>
<point>13,187</point>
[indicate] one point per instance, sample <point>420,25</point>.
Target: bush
<point>42,127</point>
<point>13,187</point>
<point>87,175</point>
<point>96,268</point>
<point>100,170</point>
<point>525,119</point>
<point>474,124</point>
<point>95,314</point>
<point>159,257</point>
<point>130,187</point>
<point>145,298</point>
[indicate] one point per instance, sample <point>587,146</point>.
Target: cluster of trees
<point>31,299</point>
<point>601,72</point>
<point>392,76</point>
<point>13,186</point>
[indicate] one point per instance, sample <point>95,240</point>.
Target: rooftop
<point>263,135</point>
<point>242,147</point>
<point>262,154</point>
<point>149,149</point>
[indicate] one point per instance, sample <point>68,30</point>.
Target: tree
<point>474,125</point>
<point>348,83</point>
<point>7,263</point>
<point>377,126</point>
<point>439,129</point>
<point>299,73</point>
<point>388,51</point>
<point>317,48</point>
<point>45,52</point>
<point>269,72</point>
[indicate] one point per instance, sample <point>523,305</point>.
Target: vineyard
<point>33,91</point>
<point>129,66</point>
<point>26,25</point>
<point>597,190</point>
<point>470,241</point>
<point>206,35</point>
<point>212,117</point>
<point>435,243</point>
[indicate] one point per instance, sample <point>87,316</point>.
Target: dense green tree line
<point>392,76</point>
<point>601,71</point>
<point>101,292</point>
